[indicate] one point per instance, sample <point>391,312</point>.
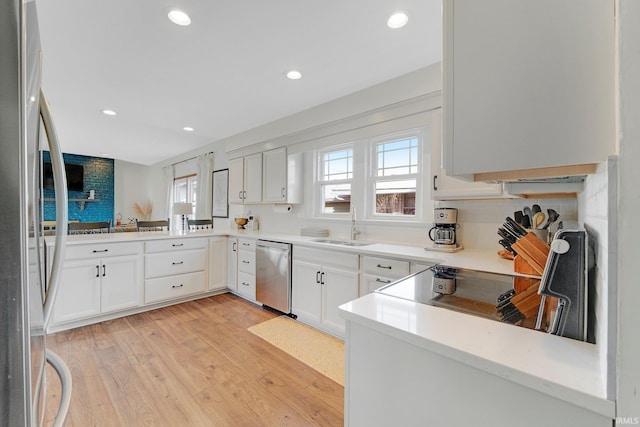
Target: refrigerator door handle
<point>60,185</point>
<point>66,383</point>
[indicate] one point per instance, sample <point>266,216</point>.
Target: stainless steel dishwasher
<point>273,275</point>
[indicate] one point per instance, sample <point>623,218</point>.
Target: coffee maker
<point>443,232</point>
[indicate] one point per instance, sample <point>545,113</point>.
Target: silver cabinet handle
<point>322,278</point>
<point>435,186</point>
<point>175,245</point>
<point>317,277</point>
<point>97,271</point>
<point>282,193</point>
<point>177,263</point>
<point>177,286</point>
<point>104,270</point>
<point>245,284</point>
<point>388,267</point>
<point>246,244</point>
<point>235,246</point>
<point>103,250</point>
<point>379,280</point>
<point>246,262</point>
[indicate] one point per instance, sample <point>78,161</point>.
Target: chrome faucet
<point>354,227</point>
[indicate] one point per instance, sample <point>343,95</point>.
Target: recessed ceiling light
<point>294,75</point>
<point>179,17</point>
<point>397,20</point>
<point>109,112</point>
<point>188,129</point>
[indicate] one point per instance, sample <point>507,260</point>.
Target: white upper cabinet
<point>527,85</point>
<point>281,177</point>
<point>245,179</point>
<point>445,187</point>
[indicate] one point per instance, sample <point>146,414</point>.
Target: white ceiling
<point>222,75</point>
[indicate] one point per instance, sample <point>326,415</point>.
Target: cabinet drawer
<point>165,245</point>
<point>246,245</point>
<point>100,250</point>
<point>336,259</point>
<point>247,262</point>
<point>385,267</point>
<point>247,285</point>
<point>171,263</point>
<point>165,288</point>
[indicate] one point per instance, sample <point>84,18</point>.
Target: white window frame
<point>373,178</point>
<point>363,182</point>
<point>320,182</point>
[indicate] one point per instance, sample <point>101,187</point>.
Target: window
<point>380,176</point>
<point>184,189</point>
<point>394,176</point>
<point>336,174</point>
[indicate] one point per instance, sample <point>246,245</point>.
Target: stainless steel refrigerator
<point>26,296</point>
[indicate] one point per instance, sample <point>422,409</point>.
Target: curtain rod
<point>190,158</point>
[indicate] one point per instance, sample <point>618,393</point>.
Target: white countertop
<point>466,258</point>
<point>566,369</point>
<point>563,368</point>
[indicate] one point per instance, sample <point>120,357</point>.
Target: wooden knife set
<point>523,301</point>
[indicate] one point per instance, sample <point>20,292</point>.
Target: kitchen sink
<point>342,242</point>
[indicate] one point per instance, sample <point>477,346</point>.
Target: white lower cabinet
<point>247,268</point>
<point>321,282</point>
<point>217,263</point>
<point>174,268</point>
<point>171,287</point>
<point>232,263</point>
<point>93,283</point>
<point>378,272</point>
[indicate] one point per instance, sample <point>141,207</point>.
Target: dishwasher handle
<point>268,244</point>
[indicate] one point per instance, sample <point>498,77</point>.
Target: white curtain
<point>203,196</point>
<point>169,174</point>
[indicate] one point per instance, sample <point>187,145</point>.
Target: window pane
<point>397,157</point>
<point>396,197</point>
<point>180,190</point>
<point>337,165</point>
<point>336,198</point>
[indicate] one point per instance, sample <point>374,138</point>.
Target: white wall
<point>628,231</point>
<point>597,212</point>
<point>131,185</point>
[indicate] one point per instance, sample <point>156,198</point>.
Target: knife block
<point>533,251</point>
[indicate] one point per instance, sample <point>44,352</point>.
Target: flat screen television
<point>75,177</point>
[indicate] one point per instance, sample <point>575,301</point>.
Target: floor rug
<point>321,351</point>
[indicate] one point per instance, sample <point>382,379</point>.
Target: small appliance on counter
<point>443,232</point>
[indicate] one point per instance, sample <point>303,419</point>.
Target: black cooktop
<point>467,291</point>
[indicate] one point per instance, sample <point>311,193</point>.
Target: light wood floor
<point>193,364</point>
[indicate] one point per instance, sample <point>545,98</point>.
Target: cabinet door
<point>236,180</point>
<point>253,178</point>
<point>274,175</point>
<point>217,263</point>
<point>79,292</point>
<point>339,286</point>
<point>527,84</point>
<point>232,263</point>
<point>444,187</point>
<point>122,283</point>
<point>306,298</point>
